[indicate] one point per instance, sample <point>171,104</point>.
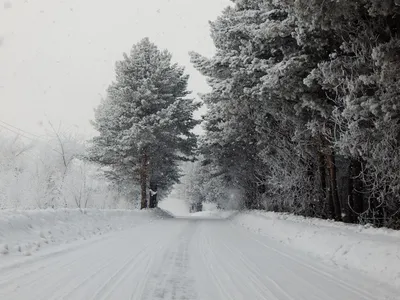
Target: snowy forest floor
<point>149,255</point>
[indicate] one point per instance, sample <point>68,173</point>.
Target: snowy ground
<point>374,252</point>
<point>158,257</point>
<point>27,232</point>
<point>175,205</point>
<point>214,214</point>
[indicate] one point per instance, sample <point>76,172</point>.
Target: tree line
<point>40,172</point>
<point>304,108</point>
<point>303,113</point>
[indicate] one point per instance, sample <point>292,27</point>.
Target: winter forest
<point>303,116</point>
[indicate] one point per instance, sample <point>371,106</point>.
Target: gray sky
<point>57,56</point>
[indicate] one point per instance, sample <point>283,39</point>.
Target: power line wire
<point>19,129</point>
<point>16,132</point>
<point>37,137</point>
<point>29,138</point>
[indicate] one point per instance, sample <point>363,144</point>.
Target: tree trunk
<point>143,181</point>
<point>358,200</point>
<point>251,195</point>
<point>331,206</point>
<point>355,190</point>
<point>199,206</point>
<point>322,174</point>
<point>153,194</point>
<point>350,194</point>
<point>330,159</point>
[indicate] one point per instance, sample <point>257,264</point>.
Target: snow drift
<point>213,214</point>
<point>26,232</point>
<point>375,252</point>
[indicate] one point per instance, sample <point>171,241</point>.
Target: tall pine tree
<point>145,123</point>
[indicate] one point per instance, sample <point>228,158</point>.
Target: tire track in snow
<point>297,259</point>
<point>77,245</point>
<point>108,287</point>
<point>138,278</point>
<point>169,278</point>
<point>183,260</point>
<point>327,276</point>
<point>30,278</point>
<point>78,272</point>
<point>255,269</point>
<point>138,291</point>
<point>54,288</point>
<point>254,275</point>
<point>124,278</point>
<point>87,278</point>
<point>216,271</point>
<point>246,280</point>
<point>131,279</point>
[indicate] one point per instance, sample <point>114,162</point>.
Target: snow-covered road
<point>206,259</point>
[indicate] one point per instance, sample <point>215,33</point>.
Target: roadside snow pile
<point>175,205</point>
<point>375,252</point>
<point>208,206</point>
<point>25,232</point>
<point>219,214</point>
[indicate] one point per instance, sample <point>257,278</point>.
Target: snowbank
<point>208,206</point>
<point>219,214</point>
<point>179,208</point>
<point>175,205</point>
<point>375,252</point>
<point>26,232</point>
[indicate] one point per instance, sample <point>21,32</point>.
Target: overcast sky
<point>57,57</point>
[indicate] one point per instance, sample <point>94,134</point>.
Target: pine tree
<point>360,78</point>
<point>304,106</point>
<point>256,76</point>
<point>145,123</point>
